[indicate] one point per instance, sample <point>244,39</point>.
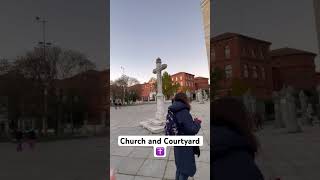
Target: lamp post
<point>124,89</point>
<point>44,44</point>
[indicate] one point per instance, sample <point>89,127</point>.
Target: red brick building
<point>248,63</point>
<point>293,67</point>
<point>92,87</point>
<point>245,62</point>
<point>147,90</point>
<point>317,78</point>
<point>201,83</point>
<point>186,81</point>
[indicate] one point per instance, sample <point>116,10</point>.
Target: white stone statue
<point>250,102</point>
<point>303,101</point>
<point>289,111</point>
<point>309,114</point>
<point>205,95</point>
<point>200,97</point>
<point>303,108</point>
<point>277,111</point>
<point>157,125</point>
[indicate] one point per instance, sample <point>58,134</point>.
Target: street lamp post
<point>44,44</point>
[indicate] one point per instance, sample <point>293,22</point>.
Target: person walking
<point>19,137</point>
<point>32,139</point>
<point>184,155</point>
<point>234,144</point>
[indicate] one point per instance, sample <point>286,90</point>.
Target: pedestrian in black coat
<point>184,156</point>
<point>233,142</point>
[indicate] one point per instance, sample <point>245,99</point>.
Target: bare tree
<point>5,66</point>
<point>72,62</point>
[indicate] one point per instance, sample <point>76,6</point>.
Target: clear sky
<point>142,30</point>
<point>284,23</point>
<point>74,24</point>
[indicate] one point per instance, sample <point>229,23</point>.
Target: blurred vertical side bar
<point>317,19</point>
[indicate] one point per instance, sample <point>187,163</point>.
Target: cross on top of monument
<point>159,66</point>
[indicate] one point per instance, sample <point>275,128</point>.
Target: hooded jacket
<point>184,156</point>
<point>232,156</point>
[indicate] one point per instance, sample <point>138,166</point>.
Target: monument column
<point>156,125</point>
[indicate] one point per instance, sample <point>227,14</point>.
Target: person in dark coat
<point>19,137</point>
<point>184,156</point>
<point>233,142</point>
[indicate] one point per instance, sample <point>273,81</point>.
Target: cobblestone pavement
<point>290,156</point>
<point>138,163</point>
<point>81,159</point>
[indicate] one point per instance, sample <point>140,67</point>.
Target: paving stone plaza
<point>81,159</point>
<point>290,156</point>
<point>138,163</point>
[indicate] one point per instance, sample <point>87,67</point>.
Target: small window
<point>253,54</point>
<point>228,71</point>
<point>254,71</point>
<point>213,54</point>
<point>261,54</point>
<point>227,52</point>
<point>263,73</point>
<point>245,71</point>
<point>181,78</point>
<point>244,52</point>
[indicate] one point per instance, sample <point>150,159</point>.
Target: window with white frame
<point>263,73</point>
<point>227,52</point>
<point>228,71</point>
<point>255,72</point>
<point>245,71</point>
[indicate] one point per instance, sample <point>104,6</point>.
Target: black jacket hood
<point>226,140</point>
<point>178,106</point>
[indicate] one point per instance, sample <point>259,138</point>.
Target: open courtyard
<point>80,159</point>
<point>289,156</point>
<point>138,163</point>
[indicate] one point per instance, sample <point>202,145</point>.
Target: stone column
<point>156,125</point>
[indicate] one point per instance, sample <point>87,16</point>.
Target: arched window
<point>245,71</point>
<point>263,73</point>
<point>227,52</point>
<point>261,54</point>
<point>253,54</point>
<point>255,73</point>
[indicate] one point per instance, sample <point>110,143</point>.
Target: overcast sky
<point>142,30</point>
<point>76,24</point>
<point>285,23</point>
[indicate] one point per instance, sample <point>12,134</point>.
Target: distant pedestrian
<point>115,103</point>
<point>19,138</point>
<point>258,121</point>
<point>32,139</point>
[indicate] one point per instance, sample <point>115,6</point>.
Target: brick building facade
<point>245,62</point>
<point>186,81</point>
<point>201,83</point>
<point>293,67</point>
<point>248,63</point>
